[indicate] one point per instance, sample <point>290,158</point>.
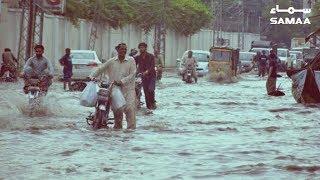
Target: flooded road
<point>199,131</point>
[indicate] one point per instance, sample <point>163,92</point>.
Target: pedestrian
<point>272,75</point>
<point>190,62</point>
<point>9,63</point>
<point>38,67</point>
<point>133,52</point>
<point>66,62</point>
<point>263,63</point>
<point>211,50</point>
<point>122,70</point>
<point>159,64</point>
<point>146,66</point>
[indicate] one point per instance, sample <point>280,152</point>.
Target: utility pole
<point>243,24</point>
<point>95,25</point>
<point>160,33</point>
<point>213,7</point>
<point>31,29</point>
<point>220,25</point>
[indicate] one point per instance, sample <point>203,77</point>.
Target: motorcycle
<point>35,94</point>
<point>138,87</point>
<point>8,77</point>
<point>100,118</point>
<point>188,75</point>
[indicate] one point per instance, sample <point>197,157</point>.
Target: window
<point>260,50</point>
<point>246,56</point>
<point>201,57</point>
<point>221,55</point>
<point>79,55</point>
<point>282,53</point>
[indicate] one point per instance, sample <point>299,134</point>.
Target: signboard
<point>54,6</point>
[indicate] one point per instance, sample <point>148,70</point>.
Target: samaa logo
<point>289,20</point>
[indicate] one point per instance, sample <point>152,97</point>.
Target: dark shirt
<point>263,60</point>
<point>145,63</point>
<point>273,64</point>
<point>67,64</point>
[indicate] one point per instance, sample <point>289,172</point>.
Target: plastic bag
<point>89,95</point>
<point>117,99</point>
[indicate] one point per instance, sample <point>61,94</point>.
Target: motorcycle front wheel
<point>100,116</point>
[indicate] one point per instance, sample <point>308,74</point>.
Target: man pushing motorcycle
<point>121,70</point>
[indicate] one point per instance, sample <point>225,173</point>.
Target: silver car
<point>202,58</point>
<point>246,61</point>
<point>83,62</point>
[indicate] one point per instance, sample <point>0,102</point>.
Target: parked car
<point>246,61</point>
<point>203,61</point>
<point>299,58</point>
<point>83,61</point>
<point>292,62</point>
<point>283,54</point>
<point>255,50</point>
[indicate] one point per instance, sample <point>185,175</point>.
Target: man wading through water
<point>122,70</point>
<point>146,65</point>
<point>263,63</point>
<point>272,76</point>
<point>66,62</point>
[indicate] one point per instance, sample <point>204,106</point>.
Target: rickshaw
<point>223,64</point>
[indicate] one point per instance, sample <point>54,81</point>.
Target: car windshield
<point>221,55</point>
<point>298,54</point>
<point>293,56</point>
<point>260,50</point>
<point>84,55</point>
<point>201,57</point>
<point>246,56</point>
<point>282,53</point>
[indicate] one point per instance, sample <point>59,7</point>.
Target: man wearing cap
<point>146,66</point>
<point>122,70</point>
<point>39,67</point>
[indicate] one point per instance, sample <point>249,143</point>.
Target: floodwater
<point>199,131</point>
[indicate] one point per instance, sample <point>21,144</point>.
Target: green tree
<point>183,16</point>
<point>114,13</point>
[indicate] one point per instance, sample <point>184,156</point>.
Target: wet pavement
<point>199,131</point>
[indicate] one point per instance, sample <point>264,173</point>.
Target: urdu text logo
<point>289,20</point>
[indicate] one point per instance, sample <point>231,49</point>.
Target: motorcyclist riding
<point>190,62</point>
<point>38,67</point>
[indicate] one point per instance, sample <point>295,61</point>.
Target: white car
<point>246,61</point>
<point>202,58</point>
<point>255,50</point>
<point>296,59</point>
<point>83,62</point>
<point>298,54</point>
<point>283,54</point>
